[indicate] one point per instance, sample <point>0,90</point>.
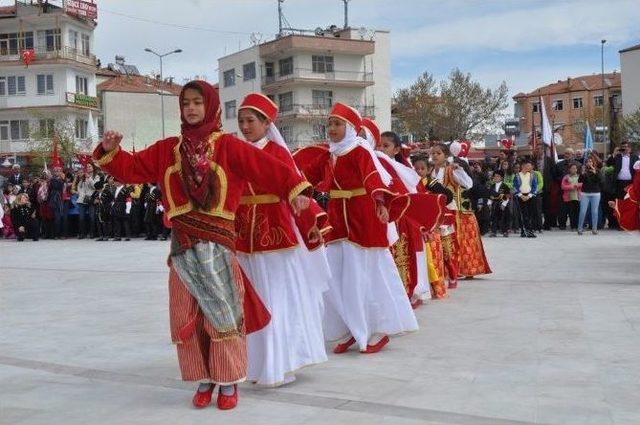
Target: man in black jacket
<point>120,211</point>
<point>622,160</point>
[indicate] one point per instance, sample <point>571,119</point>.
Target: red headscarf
<point>200,180</point>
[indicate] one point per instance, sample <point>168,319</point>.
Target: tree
<point>414,104</point>
<point>630,127</point>
<point>63,131</point>
<point>459,108</point>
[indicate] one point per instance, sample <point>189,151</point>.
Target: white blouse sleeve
<point>462,178</point>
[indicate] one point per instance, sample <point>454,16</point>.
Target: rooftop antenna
<point>346,13</point>
<point>280,17</point>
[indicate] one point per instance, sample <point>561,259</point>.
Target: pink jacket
<point>567,187</point>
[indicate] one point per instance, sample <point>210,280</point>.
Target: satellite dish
<point>362,32</point>
<point>254,38</point>
<point>319,32</point>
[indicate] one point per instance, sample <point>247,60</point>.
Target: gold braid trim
<point>108,157</point>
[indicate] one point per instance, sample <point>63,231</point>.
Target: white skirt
<point>292,292</point>
<point>366,295</point>
<point>422,290</point>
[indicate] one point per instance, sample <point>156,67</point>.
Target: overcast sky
<point>524,42</point>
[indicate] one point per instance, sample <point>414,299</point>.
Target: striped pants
<point>203,355</point>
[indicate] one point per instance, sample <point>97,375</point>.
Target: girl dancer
<point>276,260</point>
<point>201,175</point>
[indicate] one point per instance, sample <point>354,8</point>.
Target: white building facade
<point>305,75</point>
<point>57,90</point>
<point>630,63</point>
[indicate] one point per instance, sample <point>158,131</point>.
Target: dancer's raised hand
<point>111,140</point>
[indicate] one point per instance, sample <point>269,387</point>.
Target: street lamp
<point>604,138</point>
<point>160,56</point>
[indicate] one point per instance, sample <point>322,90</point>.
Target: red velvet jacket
<point>264,220</point>
<point>235,163</point>
<point>353,184</point>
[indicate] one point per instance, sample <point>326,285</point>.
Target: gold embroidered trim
<point>108,157</point>
<point>298,189</point>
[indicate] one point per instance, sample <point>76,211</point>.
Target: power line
<point>173,25</point>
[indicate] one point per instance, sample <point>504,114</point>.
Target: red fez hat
<point>348,114</point>
<point>260,103</point>
<point>371,125</point>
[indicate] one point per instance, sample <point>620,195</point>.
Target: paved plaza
<point>551,337</point>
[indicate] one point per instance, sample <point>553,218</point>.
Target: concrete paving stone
<point>88,340</point>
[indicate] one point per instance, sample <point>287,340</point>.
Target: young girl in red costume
<point>627,210</point>
<point>288,277</point>
<point>366,300</point>
<point>201,175</point>
<point>407,250</point>
<point>433,246</point>
<point>472,260</point>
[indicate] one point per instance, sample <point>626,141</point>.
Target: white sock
<point>204,387</point>
<point>227,390</point>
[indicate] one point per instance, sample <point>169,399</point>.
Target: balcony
<point>304,76</point>
<point>302,111</point>
<point>48,55</point>
<point>82,100</point>
<point>305,43</point>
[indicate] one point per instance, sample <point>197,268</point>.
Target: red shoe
<point>342,348</point>
<point>228,402</point>
<point>372,349</point>
<point>416,303</point>
<point>202,399</point>
<point>453,284</point>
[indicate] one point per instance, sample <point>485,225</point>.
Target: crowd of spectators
<point>85,203</point>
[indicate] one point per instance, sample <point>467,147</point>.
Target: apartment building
<point>57,90</point>
<point>306,74</point>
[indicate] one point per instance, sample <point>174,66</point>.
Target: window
<point>320,132</point>
<point>230,109</point>
<point>322,64</point>
<point>47,128</point>
<point>45,83</point>
<point>268,69</point>
<point>86,49</point>
<point>286,101</point>
<point>19,129</point>
<point>536,107</point>
<point>15,86</point>
<point>229,77</point>
<point>4,130</point>
<point>49,40</point>
<point>577,103</point>
<point>81,128</point>
<point>3,86</point>
<point>322,99</point>
<point>12,43</point>
<point>82,85</point>
<point>249,71</point>
<point>74,40</point>
<point>286,66</point>
<point>558,105</point>
<point>598,100</point>
<point>287,133</point>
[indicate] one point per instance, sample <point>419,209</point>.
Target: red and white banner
<point>82,9</point>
